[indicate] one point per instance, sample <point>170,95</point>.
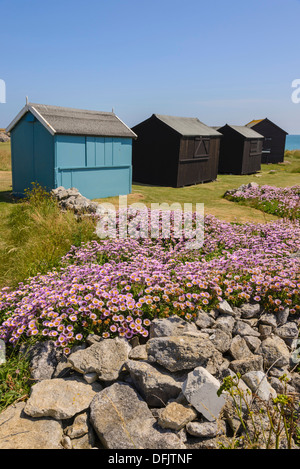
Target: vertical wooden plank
<point>108,142</point>
<point>90,151</point>
<point>100,151</point>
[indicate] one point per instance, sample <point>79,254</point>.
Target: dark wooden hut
<point>240,150</point>
<point>174,151</point>
<point>274,140</point>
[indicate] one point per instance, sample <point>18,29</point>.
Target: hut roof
<point>245,131</point>
<point>188,126</point>
<point>255,122</point>
<point>62,120</point>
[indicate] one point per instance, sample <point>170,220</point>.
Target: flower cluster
<point>115,287</point>
<point>281,201</point>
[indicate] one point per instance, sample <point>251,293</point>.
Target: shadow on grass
<point>7,197</point>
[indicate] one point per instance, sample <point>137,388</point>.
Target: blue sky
<point>221,61</point>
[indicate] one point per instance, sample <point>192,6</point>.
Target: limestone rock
<point>19,431</point>
<point>204,320</point>
<point>259,385</point>
<point>282,316</point>
<point>239,348</point>
<point>269,319</point>
<point>224,307</point>
<point>172,326</point>
<point>60,398</point>
<point>242,366</point>
<point>205,429</point>
<point>43,359</point>
<point>176,416</point>
<point>180,352</point>
<point>225,323</point>
<point>221,340</point>
<point>200,390</point>
<point>242,328</point>
<point>79,427</point>
<point>288,331</point>
<point>106,358</point>
<point>274,352</point>
<point>138,353</point>
<point>250,310</point>
<point>122,420</point>
<point>156,386</point>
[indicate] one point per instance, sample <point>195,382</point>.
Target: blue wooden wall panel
<point>90,151</point>
<point>22,156</point>
<point>100,151</point>
<point>98,182</point>
<point>108,150</point>
<point>100,166</point>
<point>32,155</point>
<point>71,151</point>
<point>65,179</point>
<point>122,151</point>
<point>43,156</point>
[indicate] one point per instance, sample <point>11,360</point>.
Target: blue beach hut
<point>57,146</point>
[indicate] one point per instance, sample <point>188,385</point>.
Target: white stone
<point>259,385</point>
<point>200,390</point>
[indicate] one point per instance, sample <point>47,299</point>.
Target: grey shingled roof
<point>62,120</point>
<point>245,131</point>
<point>188,126</point>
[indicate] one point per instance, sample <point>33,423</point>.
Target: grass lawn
<point>211,194</point>
<point>5,163</point>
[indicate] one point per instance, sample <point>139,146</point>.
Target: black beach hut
<point>240,150</point>
<point>274,140</point>
<point>174,151</point>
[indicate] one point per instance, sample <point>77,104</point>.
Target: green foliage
<point>263,425</point>
<point>15,382</point>
<point>37,235</point>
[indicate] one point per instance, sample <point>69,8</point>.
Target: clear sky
<point>221,61</point>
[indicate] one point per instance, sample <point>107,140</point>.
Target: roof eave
<point>37,115</point>
<point>17,119</point>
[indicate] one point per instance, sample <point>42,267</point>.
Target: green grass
<point>5,159</point>
<point>35,234</point>
<point>15,381</point>
<point>211,194</point>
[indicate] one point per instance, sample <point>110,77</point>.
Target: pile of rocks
<point>242,188</point>
<point>4,137</point>
<point>72,199</point>
<point>162,394</point>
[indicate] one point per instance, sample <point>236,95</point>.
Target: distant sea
<point>292,142</point>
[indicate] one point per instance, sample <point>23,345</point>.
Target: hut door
<point>201,147</point>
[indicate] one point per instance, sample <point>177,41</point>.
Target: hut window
<point>254,147</point>
<point>201,148</point>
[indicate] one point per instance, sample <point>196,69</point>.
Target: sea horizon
<point>292,142</point>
